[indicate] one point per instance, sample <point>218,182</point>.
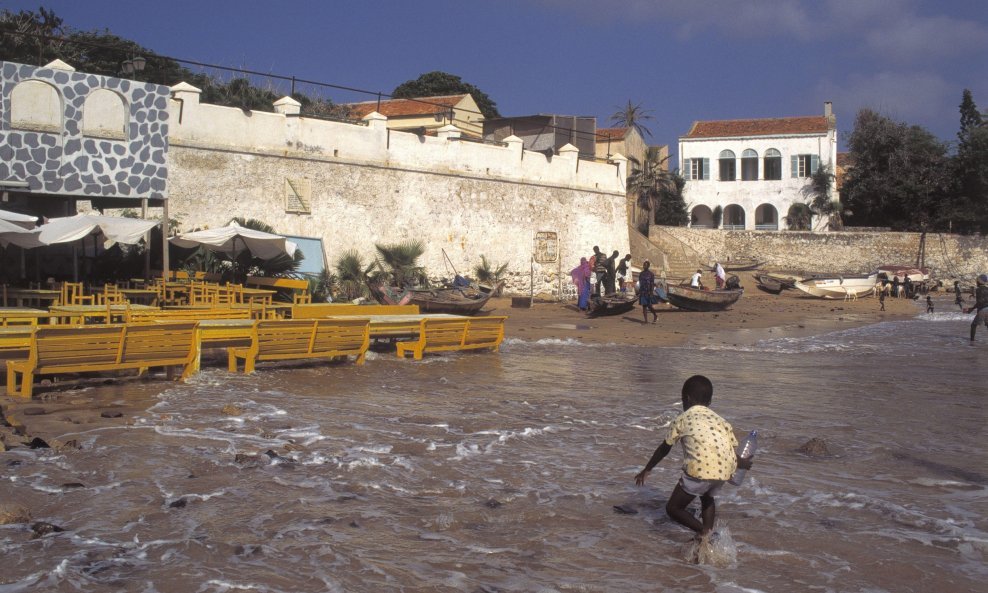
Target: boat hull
<point>839,287</point>
<point>456,301</point>
<point>611,305</point>
<point>694,299</point>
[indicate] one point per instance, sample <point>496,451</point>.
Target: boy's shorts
<point>698,487</point>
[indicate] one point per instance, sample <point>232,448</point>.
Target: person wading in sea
<point>980,307</point>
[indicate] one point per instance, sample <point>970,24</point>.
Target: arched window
<point>701,217</point>
<point>749,165</point>
<point>766,218</point>
<point>773,164</point>
<point>734,218</point>
<point>728,166</point>
<point>104,115</point>
<point>36,105</point>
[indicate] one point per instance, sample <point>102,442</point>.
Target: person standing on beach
<point>646,291</point>
<point>881,299</point>
<point>709,457</point>
<point>980,304</point>
<point>610,279</point>
<point>599,268</point>
<point>624,273</point>
<point>720,275</point>
<point>581,278</point>
<point>929,304</point>
<point>958,297</point>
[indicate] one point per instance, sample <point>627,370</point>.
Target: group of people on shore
<point>598,272</point>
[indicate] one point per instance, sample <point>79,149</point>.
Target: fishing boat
<point>696,299</point>
<point>457,300</point>
<point>916,275</point>
<point>769,284</point>
<point>839,287</point>
<point>741,264</point>
<point>612,304</point>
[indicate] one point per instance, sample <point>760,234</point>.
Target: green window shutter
<point>795,166</point>
<point>814,163</point>
<point>687,171</point>
<point>706,169</point>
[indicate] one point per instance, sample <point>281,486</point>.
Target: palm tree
<point>823,203</point>
<point>658,190</point>
<point>351,275</point>
<point>398,264</point>
<point>487,274</point>
<point>799,217</point>
<point>633,116</point>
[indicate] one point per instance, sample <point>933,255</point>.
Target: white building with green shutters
<point>755,169</point>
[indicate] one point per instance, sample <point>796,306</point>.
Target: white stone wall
<point>373,185</point>
<point>947,256</point>
<point>750,194</point>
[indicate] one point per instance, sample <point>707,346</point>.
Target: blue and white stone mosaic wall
<point>73,164</point>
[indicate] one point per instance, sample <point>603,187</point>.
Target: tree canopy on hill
<point>437,84</point>
<point>37,38</point>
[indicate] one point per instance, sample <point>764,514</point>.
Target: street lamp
<point>133,66</point>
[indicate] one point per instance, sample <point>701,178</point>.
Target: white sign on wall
<point>546,247</point>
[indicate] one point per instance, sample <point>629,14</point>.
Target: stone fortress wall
<point>357,185</point>
<point>849,252</point>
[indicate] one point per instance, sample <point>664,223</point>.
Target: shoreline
<point>60,416</point>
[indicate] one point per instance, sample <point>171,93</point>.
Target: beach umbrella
<point>233,239</point>
<point>12,233</point>
<point>22,220</point>
<point>116,229</point>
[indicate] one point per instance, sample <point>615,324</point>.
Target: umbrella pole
<point>147,241</point>
<point>75,262</point>
<point>164,238</point>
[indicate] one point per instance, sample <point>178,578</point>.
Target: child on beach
<point>929,304</point>
<point>710,457</point>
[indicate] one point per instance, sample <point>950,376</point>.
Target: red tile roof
<point>816,124</point>
<point>605,134</point>
<point>405,107</point>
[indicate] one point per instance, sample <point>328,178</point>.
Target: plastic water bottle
<point>747,450</point>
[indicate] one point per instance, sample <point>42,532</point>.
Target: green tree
<point>23,39</point>
<point>658,192</point>
<point>488,274</point>
<point>437,84</point>
<point>398,265</point>
<point>799,217</point>
<point>901,176</point>
<point>969,209</point>
<point>352,275</point>
<point>633,115</point>
<point>822,201</point>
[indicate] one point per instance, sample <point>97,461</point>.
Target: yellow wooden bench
<point>442,335</point>
<point>297,339</point>
<point>316,310</point>
<point>297,289</point>
<point>76,349</point>
<point>152,315</point>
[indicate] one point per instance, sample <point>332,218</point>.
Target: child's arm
<point>659,454</point>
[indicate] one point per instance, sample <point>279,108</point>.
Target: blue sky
<point>711,59</point>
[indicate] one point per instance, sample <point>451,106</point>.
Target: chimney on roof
<point>828,112</point>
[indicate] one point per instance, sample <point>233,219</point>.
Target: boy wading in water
<point>710,457</point>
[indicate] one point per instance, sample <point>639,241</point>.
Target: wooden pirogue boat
<point>612,304</point>
<point>467,300</point>
<point>741,264</point>
<point>695,299</point>
<point>839,287</point>
<point>775,283</point>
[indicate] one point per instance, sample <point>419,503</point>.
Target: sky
<point>682,61</point>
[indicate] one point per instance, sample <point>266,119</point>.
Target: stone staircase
<point>670,257</point>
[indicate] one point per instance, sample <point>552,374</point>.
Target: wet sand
<point>54,415</point>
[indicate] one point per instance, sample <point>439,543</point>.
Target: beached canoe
<point>839,287</point>
<point>613,304</point>
<point>741,265</point>
<point>467,300</point>
<point>695,299</point>
<point>769,285</point>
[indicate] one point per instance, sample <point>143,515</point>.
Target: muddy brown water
<point>500,472</point>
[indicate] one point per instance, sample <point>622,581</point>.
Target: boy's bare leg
<point>676,509</point>
<point>708,510</point>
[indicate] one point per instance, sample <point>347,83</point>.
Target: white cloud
<point>928,39</point>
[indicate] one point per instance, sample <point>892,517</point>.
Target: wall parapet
<point>202,125</point>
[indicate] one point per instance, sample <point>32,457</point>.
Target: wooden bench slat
<point>441,335</point>
<point>292,339</point>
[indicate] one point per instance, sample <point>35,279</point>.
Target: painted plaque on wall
<point>546,247</point>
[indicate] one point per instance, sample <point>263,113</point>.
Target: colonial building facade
<point>752,171</point>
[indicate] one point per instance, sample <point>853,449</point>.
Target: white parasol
<point>116,229</point>
<point>234,239</point>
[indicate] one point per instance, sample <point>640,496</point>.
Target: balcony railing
<point>768,226</point>
<point>733,227</point>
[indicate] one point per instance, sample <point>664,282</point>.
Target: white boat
<point>839,287</point>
